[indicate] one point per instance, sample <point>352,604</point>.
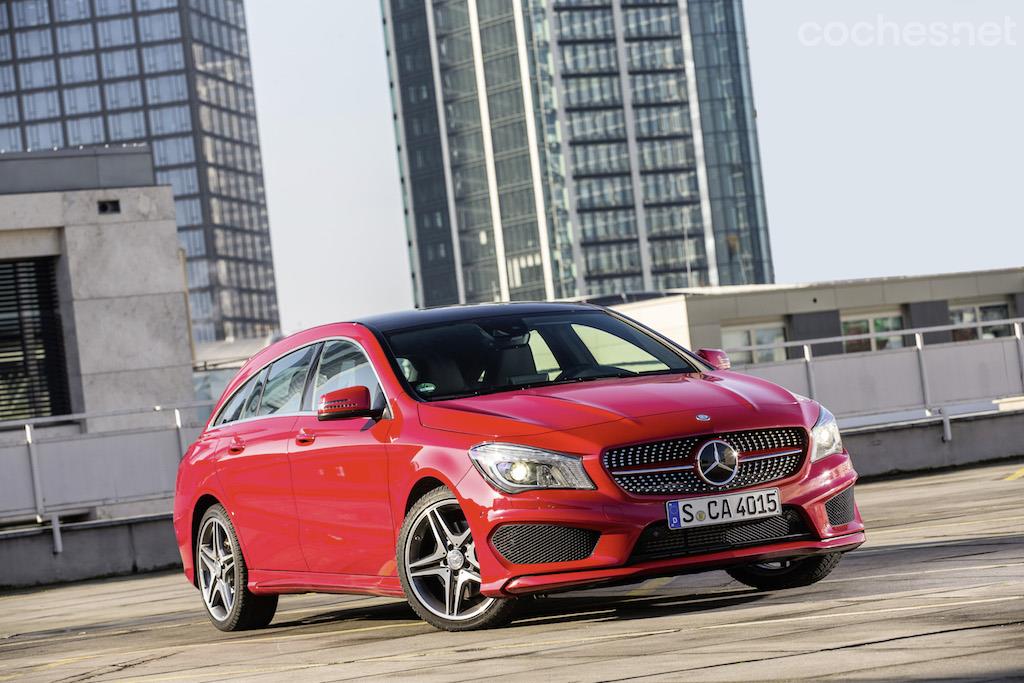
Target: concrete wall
<point>122,291</point>
<point>918,448</point>
<point>91,550</point>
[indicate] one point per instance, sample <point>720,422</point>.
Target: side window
<point>343,364</point>
<point>253,402</point>
<point>234,409</point>
<point>285,382</point>
<point>608,349</point>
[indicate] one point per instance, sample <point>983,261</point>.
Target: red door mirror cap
<point>345,403</point>
<point>718,358</point>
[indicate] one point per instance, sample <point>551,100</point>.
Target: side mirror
<point>346,403</point>
<point>718,358</point>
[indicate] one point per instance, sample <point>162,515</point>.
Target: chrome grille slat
<point>666,467</point>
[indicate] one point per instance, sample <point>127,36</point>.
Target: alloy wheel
<point>440,560</point>
<point>217,575</point>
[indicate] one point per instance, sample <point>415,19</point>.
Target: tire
<point>220,570</point>
<point>786,573</point>
<point>438,581</point>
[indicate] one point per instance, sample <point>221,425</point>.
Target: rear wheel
<point>439,570</point>
<point>223,577</point>
<point>769,576</point>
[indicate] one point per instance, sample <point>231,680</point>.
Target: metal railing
<point>930,401</point>
<point>83,466</point>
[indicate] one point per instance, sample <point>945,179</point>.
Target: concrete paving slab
<point>937,593</point>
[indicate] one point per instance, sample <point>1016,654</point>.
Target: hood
<point>566,407</point>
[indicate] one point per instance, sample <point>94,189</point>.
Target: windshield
<point>505,353</point>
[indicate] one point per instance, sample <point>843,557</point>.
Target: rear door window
<point>237,406</point>
<point>286,382</point>
<point>252,403</point>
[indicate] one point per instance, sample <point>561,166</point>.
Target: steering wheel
<point>584,371</point>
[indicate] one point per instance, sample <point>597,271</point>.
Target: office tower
<point>175,75</point>
<point>557,148</point>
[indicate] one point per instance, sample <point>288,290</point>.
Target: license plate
<point>732,507</point>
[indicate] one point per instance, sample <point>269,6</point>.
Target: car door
<point>254,469</point>
<point>340,473</point>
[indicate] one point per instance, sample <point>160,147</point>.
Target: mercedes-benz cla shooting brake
<point>466,457</point>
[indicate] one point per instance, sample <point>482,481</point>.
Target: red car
<point>465,457</point>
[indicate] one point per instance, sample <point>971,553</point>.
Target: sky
<point>891,137</point>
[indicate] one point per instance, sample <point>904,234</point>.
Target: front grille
<point>765,455</point>
<point>840,508</point>
<point>658,542</point>
<point>542,543</point>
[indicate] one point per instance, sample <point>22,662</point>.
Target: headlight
<point>825,436</point>
<point>511,468</point>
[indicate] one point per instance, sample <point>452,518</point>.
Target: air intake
<point>543,543</point>
<point>840,508</point>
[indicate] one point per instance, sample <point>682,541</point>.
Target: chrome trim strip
<point>653,470</point>
<point>753,458</point>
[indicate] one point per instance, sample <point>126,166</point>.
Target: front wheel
<point>438,567</point>
<point>223,577</point>
<point>769,576</point>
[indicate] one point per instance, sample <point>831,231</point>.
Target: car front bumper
<point>620,519</point>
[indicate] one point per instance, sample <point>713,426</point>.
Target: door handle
<point>236,447</point>
<point>304,438</point>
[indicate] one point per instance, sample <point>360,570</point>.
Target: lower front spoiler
<point>549,583</point>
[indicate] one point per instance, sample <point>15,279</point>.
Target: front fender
<point>415,470</point>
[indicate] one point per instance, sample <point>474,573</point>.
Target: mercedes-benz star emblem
<point>717,463</point>
<point>703,418</point>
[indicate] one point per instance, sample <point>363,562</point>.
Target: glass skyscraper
<point>173,74</point>
<point>559,148</point>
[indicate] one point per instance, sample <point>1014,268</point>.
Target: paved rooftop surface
<point>936,593</point>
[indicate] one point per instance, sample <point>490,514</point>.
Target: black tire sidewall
<point>802,572</point>
<point>248,610</point>
<point>497,614</point>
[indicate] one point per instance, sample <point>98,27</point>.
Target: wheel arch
<point>204,503</point>
<point>422,487</point>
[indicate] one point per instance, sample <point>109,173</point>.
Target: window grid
<point>117,71</point>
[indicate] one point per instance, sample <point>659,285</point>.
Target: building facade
<point>174,74</point>
<point>557,148</point>
<point>83,328</point>
<point>857,316</point>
